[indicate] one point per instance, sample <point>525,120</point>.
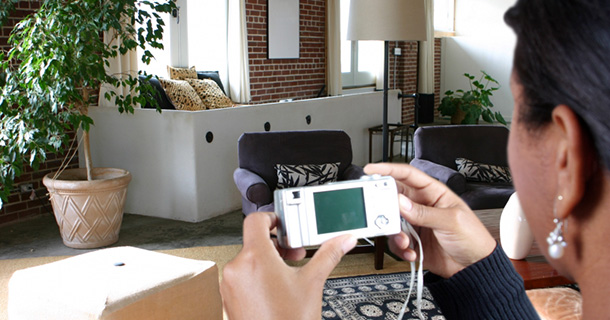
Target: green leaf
<point>487,116</point>
<point>500,118</point>
<point>474,102</point>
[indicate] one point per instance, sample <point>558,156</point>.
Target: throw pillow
<point>182,95</point>
<point>210,93</point>
<point>181,73</point>
<point>482,172</point>
<point>212,75</point>
<point>296,175</point>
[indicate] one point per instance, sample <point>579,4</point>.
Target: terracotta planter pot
<point>89,213</point>
<point>458,116</point>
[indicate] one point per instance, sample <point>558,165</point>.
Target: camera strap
<point>408,229</point>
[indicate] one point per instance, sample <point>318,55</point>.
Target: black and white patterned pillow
<point>296,175</point>
<point>482,172</point>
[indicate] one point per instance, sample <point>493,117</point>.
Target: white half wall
<point>482,42</point>
<point>178,175</point>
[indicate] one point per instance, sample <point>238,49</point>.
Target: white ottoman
<point>117,283</point>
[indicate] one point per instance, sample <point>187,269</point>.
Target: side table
<point>393,130</point>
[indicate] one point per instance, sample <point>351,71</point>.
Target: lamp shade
<point>387,20</point>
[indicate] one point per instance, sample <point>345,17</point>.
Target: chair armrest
<point>352,172</point>
<point>252,187</point>
<point>453,179</point>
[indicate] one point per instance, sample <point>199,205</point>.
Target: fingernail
<point>349,244</point>
<point>405,203</point>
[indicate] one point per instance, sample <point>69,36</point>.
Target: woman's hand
<point>452,236</point>
<point>258,284</point>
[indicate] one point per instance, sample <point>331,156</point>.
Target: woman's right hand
<point>451,234</point>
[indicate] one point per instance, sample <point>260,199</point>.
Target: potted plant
<point>57,62</point>
<point>466,107</point>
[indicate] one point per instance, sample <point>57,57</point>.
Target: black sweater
<point>488,289</point>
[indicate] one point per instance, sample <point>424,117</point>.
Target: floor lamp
<point>387,20</point>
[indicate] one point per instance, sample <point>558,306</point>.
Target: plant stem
<point>86,145</point>
<point>87,150</point>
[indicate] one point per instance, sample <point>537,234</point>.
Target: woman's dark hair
<point>563,57</point>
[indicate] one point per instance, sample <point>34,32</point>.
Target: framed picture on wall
<point>283,29</point>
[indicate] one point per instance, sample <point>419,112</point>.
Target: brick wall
<point>437,76</point>
<point>23,205</point>
<point>275,79</point>
<point>270,80</point>
<point>405,69</point>
<point>22,9</point>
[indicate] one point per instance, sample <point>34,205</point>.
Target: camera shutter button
<point>381,221</point>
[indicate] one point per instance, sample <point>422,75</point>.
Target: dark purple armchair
<point>437,147</point>
<point>256,178</point>
<point>258,153</point>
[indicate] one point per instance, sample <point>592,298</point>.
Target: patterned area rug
<point>375,297</point>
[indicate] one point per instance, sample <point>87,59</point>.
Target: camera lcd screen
<point>340,210</point>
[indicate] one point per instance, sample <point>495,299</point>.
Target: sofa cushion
<point>157,94</point>
<point>483,195</point>
<point>212,75</point>
<point>474,171</point>
<point>289,176</point>
<point>481,143</point>
<point>260,151</point>
<point>182,95</point>
<point>210,93</point>
<point>181,73</point>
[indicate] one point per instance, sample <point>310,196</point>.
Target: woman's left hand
<point>258,284</point>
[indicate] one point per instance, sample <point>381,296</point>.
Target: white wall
<point>482,42</point>
<point>177,174</point>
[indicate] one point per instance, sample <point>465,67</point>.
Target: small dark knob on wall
<point>308,119</point>
<point>267,126</point>
<point>209,137</point>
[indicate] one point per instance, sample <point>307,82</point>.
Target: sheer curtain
<point>120,66</point>
<point>333,60</point>
<point>426,53</point>
<point>237,52</point>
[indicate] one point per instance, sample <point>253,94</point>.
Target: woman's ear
<point>575,159</point>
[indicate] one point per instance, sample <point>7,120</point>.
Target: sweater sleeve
<point>488,289</point>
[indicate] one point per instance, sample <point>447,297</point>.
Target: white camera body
<point>310,215</point>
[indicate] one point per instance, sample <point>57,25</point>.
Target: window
<point>196,36</point>
<point>444,16</point>
<point>158,66</point>
<point>360,60</point>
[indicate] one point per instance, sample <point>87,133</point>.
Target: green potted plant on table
<point>59,58</point>
<point>466,107</point>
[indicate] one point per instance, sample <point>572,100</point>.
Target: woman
<point>559,154</point>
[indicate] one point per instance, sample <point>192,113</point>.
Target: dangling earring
<point>555,239</point>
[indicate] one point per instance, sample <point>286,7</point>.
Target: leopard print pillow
<point>182,73</point>
<point>182,95</point>
<point>210,93</point>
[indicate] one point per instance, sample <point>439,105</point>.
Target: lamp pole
<point>384,129</point>
<point>387,20</point>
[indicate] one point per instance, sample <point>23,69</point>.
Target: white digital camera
<point>310,215</point>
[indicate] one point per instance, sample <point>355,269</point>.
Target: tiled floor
<point>40,236</point>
